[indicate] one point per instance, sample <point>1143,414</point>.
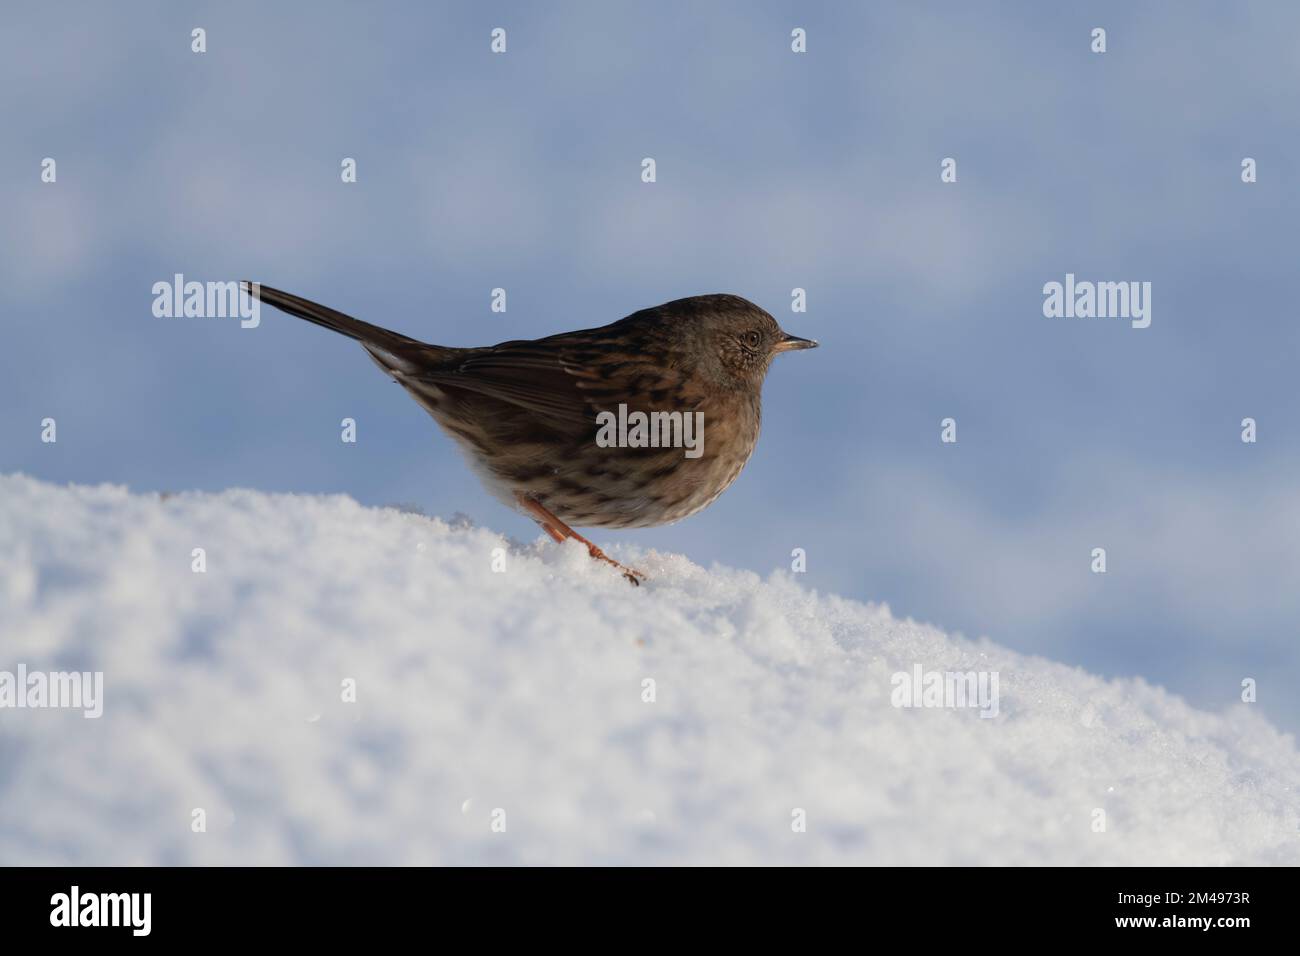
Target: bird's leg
<point>561,532</point>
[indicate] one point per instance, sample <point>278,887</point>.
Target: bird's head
<point>743,339</point>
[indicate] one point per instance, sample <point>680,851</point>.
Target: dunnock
<point>639,423</point>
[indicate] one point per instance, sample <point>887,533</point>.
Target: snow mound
<point>504,716</point>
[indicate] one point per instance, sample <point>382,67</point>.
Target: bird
<point>634,424</point>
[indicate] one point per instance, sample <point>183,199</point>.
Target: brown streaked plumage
<point>525,412</point>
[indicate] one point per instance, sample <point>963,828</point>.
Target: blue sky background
<point>775,170</point>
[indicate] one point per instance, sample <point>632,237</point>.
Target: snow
<point>521,691</point>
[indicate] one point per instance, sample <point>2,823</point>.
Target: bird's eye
<point>752,339</point>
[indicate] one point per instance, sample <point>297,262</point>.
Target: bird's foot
<point>632,574</point>
<point>561,532</point>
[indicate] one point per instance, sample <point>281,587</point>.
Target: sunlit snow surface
<point>518,697</point>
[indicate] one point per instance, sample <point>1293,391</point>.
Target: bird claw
<point>632,574</point>
<point>561,532</point>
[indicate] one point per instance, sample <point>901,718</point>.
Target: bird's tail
<point>363,332</point>
<point>395,353</point>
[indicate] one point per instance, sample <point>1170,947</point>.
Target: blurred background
<point>775,170</point>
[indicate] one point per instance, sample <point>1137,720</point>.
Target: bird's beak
<point>792,342</point>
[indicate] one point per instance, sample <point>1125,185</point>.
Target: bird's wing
<point>532,375</point>
<point>565,379</point>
